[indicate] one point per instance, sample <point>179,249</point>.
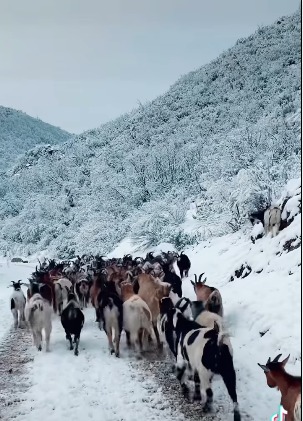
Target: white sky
<point>79,63</point>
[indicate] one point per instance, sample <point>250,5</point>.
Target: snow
<point>262,314</point>
<point>266,302</point>
<point>10,272</point>
<point>93,386</point>
<point>258,229</point>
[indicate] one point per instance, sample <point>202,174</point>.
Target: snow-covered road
<point>93,386</point>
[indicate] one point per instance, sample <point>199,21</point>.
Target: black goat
<point>110,312</point>
<point>173,279</point>
<point>72,320</point>
<point>184,264</point>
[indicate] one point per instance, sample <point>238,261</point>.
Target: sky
<point>79,63</point>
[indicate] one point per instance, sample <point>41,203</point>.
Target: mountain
<point>20,132</point>
<point>226,136</point>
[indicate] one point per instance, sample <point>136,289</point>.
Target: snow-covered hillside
<point>226,135</point>
<point>19,133</point>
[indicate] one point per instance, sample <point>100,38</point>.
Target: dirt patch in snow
<point>14,380</point>
<point>158,366</point>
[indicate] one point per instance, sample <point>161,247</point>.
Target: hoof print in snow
<point>10,371</point>
<point>259,271</point>
<point>263,333</point>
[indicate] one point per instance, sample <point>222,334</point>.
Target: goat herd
<point>144,298</point>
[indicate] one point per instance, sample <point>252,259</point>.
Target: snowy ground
<point>98,386</point>
<point>95,385</point>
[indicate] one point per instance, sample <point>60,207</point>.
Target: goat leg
<point>128,339</point>
<point>76,340</point>
<point>159,343</point>
<point>69,338</point>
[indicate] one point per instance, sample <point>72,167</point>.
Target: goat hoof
<point>76,353</point>
<point>197,397</point>
<point>117,355</point>
<point>206,407</point>
<point>112,351</point>
<point>185,391</point>
<point>39,348</point>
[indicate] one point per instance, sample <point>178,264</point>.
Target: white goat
<point>62,288</point>
<point>38,314</point>
<point>137,320</point>
<point>17,304</point>
<point>272,221</point>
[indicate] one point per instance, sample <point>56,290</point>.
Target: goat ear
<point>216,327</point>
<point>264,368</point>
<point>285,361</point>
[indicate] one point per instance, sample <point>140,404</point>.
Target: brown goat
<point>210,296</point>
<point>289,386</point>
<point>98,283</point>
<point>152,290</point>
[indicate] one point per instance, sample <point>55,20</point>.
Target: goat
<point>99,281</point>
<point>110,312</point>
<point>202,351</point>
<point>183,264</point>
<point>137,318</point>
<point>38,314</point>
<point>289,386</point>
<point>210,296</point>
<point>72,320</point>
<point>17,304</point>
<point>81,291</point>
<point>272,221</point>
<point>173,279</point>
<point>151,290</point>
<point>165,325</point>
<point>62,288</point>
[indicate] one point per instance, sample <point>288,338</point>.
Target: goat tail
<point>32,310</point>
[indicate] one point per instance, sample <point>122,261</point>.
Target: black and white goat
<point>202,352</point>
<point>18,301</point>
<point>38,315</point>
<point>173,279</point>
<point>72,320</point>
<point>110,314</point>
<point>165,326</point>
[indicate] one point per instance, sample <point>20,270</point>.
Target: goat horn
<point>199,280</point>
<point>195,278</point>
<point>264,368</point>
<point>277,358</point>
<point>268,361</point>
